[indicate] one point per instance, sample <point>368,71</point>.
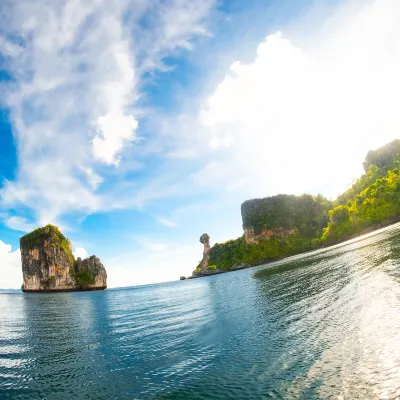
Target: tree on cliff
<point>48,264</point>
<point>372,201</point>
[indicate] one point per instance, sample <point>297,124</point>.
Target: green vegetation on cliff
<point>376,165</point>
<point>285,225</point>
<point>38,236</point>
<point>385,158</point>
<point>372,201</point>
<point>84,272</point>
<point>84,278</point>
<point>377,205</point>
<point>308,214</point>
<point>234,252</point>
<point>52,235</point>
<point>291,222</point>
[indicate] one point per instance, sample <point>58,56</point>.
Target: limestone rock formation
<point>213,271</point>
<point>203,268</point>
<point>251,237</point>
<point>48,264</point>
<point>282,216</point>
<point>92,270</point>
<point>205,240</point>
<point>237,267</point>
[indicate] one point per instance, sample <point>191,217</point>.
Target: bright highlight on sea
<point>325,325</point>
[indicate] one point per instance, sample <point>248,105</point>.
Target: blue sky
<point>138,125</point>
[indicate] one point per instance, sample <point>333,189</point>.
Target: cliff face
<point>251,237</point>
<point>386,156</point>
<point>205,240</point>
<point>46,267</point>
<point>283,216</point>
<point>92,268</point>
<point>202,267</point>
<point>49,265</point>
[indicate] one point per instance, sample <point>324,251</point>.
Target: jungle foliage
<point>375,206</point>
<point>84,278</point>
<point>308,214</point>
<point>235,252</point>
<point>371,202</point>
<point>52,235</point>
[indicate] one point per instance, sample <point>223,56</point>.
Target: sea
<point>322,325</point>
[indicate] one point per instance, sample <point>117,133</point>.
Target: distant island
<point>284,225</point>
<point>48,264</point>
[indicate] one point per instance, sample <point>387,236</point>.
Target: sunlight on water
<point>325,325</point>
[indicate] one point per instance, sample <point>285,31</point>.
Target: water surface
<point>325,325</point>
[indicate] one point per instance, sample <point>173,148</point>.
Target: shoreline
<point>65,290</point>
<point>358,236</point>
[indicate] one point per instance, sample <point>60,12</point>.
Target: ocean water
<point>325,325</point>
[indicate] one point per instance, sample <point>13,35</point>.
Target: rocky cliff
<point>91,273</point>
<point>274,227</point>
<point>203,265</point>
<point>204,269</point>
<point>48,264</point>
<point>284,215</point>
<point>251,237</point>
<point>205,241</point>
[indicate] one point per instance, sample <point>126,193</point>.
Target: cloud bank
<point>301,116</point>
<point>77,70</point>
<point>10,267</point>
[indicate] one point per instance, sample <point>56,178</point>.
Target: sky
<point>137,125</point>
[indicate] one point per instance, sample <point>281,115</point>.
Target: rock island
<point>48,264</point>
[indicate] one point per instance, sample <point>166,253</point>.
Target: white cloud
<point>19,224</point>
<point>10,267</point>
<point>78,69</point>
<point>94,180</point>
<point>107,143</point>
<point>81,252</point>
<point>175,24</point>
<point>298,118</point>
<point>8,48</point>
<point>167,222</point>
<point>303,114</point>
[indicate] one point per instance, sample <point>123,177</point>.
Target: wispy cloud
<point>19,224</point>
<point>166,222</point>
<point>77,70</point>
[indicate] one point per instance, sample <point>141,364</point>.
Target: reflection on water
<point>325,325</point>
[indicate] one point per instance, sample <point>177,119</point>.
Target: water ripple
<point>325,325</point>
